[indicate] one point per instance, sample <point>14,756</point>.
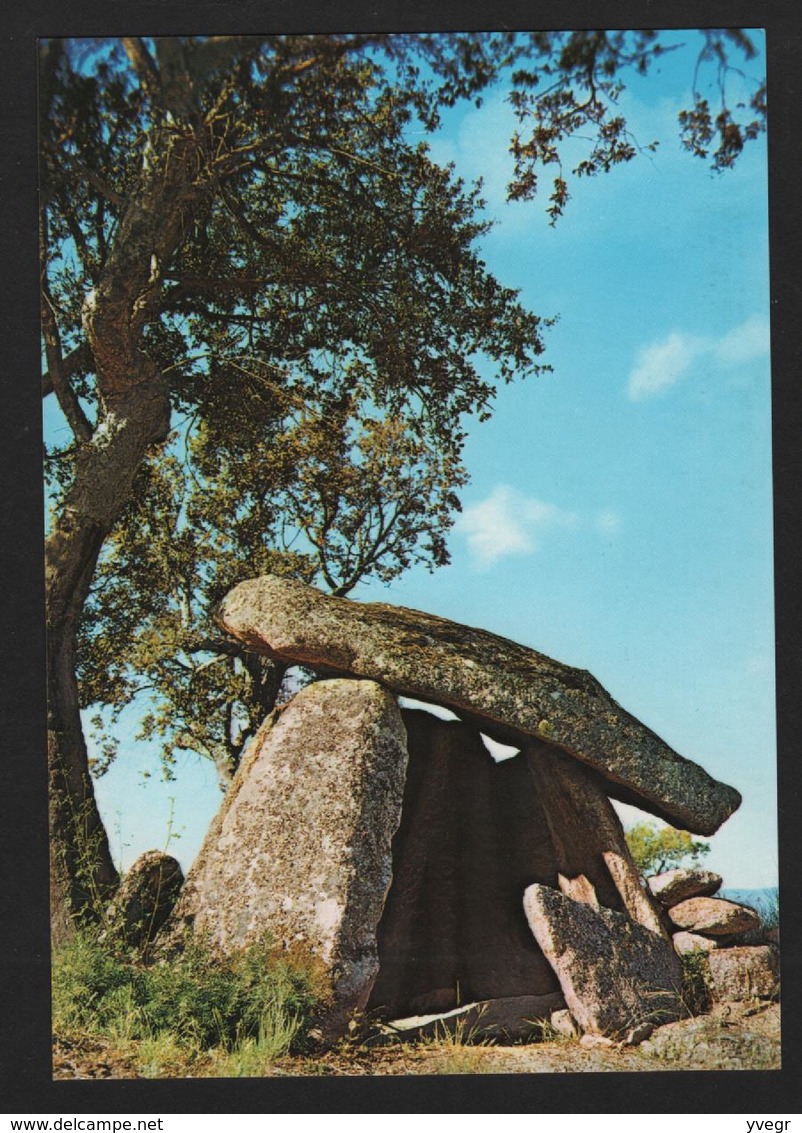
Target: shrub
<point>696,983</point>
<point>198,998</point>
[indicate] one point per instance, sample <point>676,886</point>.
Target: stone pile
<point>702,922</point>
<point>426,878</point>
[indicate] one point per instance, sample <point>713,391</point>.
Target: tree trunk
<point>133,414</point>
<point>82,872</point>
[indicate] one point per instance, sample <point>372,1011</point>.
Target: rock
<point>508,688</point>
<point>591,1041</point>
<point>145,899</point>
<point>508,1019</point>
<point>680,884</point>
<point>472,837</point>
<point>692,942</point>
<point>745,972</point>
<point>639,1034</point>
<point>301,849</point>
<point>593,859</point>
<point>615,974</point>
<point>713,916</point>
<point>563,1023</point>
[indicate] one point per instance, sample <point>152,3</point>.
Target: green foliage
<point>195,1000</point>
<point>696,982</point>
<point>355,496</point>
<point>321,317</point>
<point>657,848</point>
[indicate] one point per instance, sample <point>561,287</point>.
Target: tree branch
<point>65,394</point>
<point>80,356</point>
<point>143,63</point>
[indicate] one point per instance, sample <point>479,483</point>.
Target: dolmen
<point>426,878</point>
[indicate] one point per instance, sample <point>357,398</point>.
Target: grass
<point>199,1015</point>
<point>457,1049</point>
<point>242,1013</point>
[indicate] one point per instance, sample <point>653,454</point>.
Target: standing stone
<point>713,916</point>
<point>745,972</point>
<point>615,974</point>
<point>472,837</point>
<point>301,849</point>
<point>509,690</point>
<point>145,898</point>
<point>677,885</point>
<point>594,862</point>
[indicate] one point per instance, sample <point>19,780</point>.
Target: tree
<point>332,500</point>
<point>658,848</point>
<point>232,227</point>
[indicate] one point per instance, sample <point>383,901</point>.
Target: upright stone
<point>301,849</point>
<point>615,974</point>
<point>508,690</point>
<point>472,837</point>
<point>594,862</point>
<point>146,896</point>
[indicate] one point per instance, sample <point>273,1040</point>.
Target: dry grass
<point>731,1037</point>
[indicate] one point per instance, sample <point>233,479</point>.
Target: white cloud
<point>662,364</point>
<point>509,523</point>
<point>745,343</point>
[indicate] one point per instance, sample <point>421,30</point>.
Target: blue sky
<point>619,512</point>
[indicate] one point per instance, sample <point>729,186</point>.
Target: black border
<point>26,1081</point>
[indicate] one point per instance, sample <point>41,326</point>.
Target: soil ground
<point>734,1036</point>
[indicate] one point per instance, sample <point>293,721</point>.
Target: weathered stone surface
<point>563,1023</point>
<point>713,916</point>
<point>692,942</point>
<point>510,688</point>
<point>593,859</point>
<point>302,846</point>
<point>145,898</point>
<point>677,885</point>
<point>510,1019</point>
<point>615,974</point>
<point>745,972</point>
<point>592,1041</point>
<point>638,1034</point>
<point>472,837</point>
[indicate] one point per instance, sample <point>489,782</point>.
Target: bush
<point>696,983</point>
<point>200,999</point>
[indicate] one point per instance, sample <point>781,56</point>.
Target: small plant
<point>696,983</point>
<point>252,1057</point>
<point>459,1046</point>
<point>544,1031</point>
<point>255,1006</point>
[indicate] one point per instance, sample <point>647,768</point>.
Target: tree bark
<point>133,415</point>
